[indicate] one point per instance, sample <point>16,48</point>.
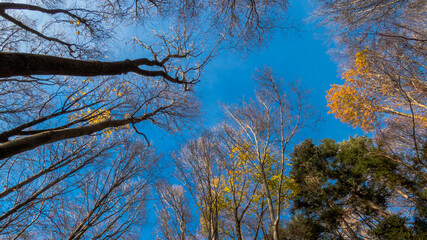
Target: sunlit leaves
<point>385,85</point>
<point>352,107</point>
<point>368,95</point>
<point>246,166</point>
<point>351,102</point>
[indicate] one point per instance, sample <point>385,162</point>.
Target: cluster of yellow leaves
<point>247,165</point>
<point>99,115</point>
<point>94,117</point>
<point>241,157</point>
<point>288,190</point>
<point>204,226</point>
<point>238,183</point>
<point>218,194</point>
<point>361,68</point>
<point>214,203</point>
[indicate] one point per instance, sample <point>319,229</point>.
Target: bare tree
<point>174,213</point>
<point>243,23</point>
<point>78,32</point>
<point>89,191</point>
<point>199,168</point>
<point>115,195</point>
<point>57,183</point>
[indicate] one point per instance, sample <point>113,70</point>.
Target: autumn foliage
<point>368,95</point>
<point>352,102</point>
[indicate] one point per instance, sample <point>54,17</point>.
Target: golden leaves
<point>94,117</point>
<point>246,168</point>
<point>354,102</point>
<point>353,106</point>
<point>369,93</point>
<point>103,91</point>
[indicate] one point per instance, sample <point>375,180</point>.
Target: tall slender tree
<point>268,126</point>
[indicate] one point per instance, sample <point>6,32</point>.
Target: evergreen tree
<point>347,191</point>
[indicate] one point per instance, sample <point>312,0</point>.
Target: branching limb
<point>17,146</point>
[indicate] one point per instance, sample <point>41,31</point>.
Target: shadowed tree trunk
<point>23,64</point>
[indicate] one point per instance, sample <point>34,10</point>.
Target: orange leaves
<point>354,102</point>
<point>352,106</point>
<point>368,92</point>
<point>360,70</point>
<point>361,63</point>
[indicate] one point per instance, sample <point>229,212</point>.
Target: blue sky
<point>293,56</point>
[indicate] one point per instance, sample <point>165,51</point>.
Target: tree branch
<point>29,29</point>
<point>20,6</point>
<point>20,145</point>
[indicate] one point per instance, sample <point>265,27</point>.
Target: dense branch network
<point>17,22</point>
<point>61,102</point>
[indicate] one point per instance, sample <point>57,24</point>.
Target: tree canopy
<point>80,80</point>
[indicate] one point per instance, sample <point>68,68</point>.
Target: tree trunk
<point>24,64</point>
<point>272,215</point>
<point>238,225</point>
